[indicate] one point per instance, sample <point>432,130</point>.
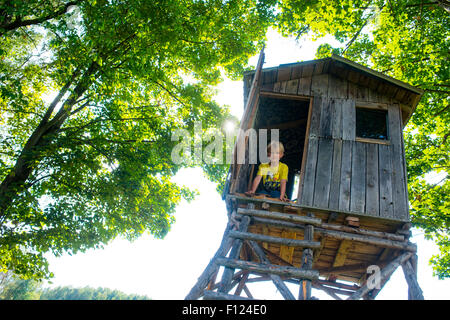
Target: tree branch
<point>37,180</point>
<point>103,119</point>
<point>58,98</point>
<point>80,107</point>
<point>437,91</point>
<point>442,110</point>
<point>444,5</point>
<point>18,22</point>
<point>94,146</point>
<point>169,92</point>
<point>358,32</point>
<point>90,141</point>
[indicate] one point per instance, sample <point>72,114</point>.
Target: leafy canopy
<point>90,92</point>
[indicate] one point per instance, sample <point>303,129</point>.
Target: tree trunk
<point>15,182</point>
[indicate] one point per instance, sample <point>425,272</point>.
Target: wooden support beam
<point>251,103</point>
<point>212,295</point>
<point>344,248</point>
<point>248,293</point>
<point>319,251</point>
<point>259,279</point>
<point>235,281</point>
<point>370,239</point>
<point>337,285</point>
<point>234,254</point>
<point>306,264</point>
<point>268,268</point>
<point>384,256</point>
<point>287,252</point>
<point>212,267</point>
<point>378,234</point>
<point>241,284</point>
<point>242,275</point>
<point>279,216</point>
<point>414,261</point>
<point>276,259</point>
<point>329,291</point>
<point>385,273</point>
<point>371,295</point>
<point>341,235</point>
<point>348,268</point>
<point>276,240</point>
<point>212,281</point>
<point>414,291</point>
<point>284,290</point>
<point>305,284</point>
<point>238,275</point>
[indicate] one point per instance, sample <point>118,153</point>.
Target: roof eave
<point>377,74</point>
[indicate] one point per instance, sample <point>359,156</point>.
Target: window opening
<point>372,124</point>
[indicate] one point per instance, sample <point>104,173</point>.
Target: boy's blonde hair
<point>275,145</point>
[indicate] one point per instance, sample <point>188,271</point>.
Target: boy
<point>273,174</point>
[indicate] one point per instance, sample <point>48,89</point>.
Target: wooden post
<point>212,295</point>
<point>249,112</point>
<point>277,240</point>
<point>234,254</point>
<point>307,260</point>
<point>414,291</point>
<point>385,273</point>
<point>248,293</point>
<point>260,268</point>
<point>279,216</point>
<point>212,267</point>
<point>329,291</point>
<point>212,281</point>
<point>284,290</point>
<point>241,284</point>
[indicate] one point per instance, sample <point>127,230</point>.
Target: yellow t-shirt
<point>272,176</point>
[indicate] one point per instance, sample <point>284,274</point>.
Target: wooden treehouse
<point>346,228</point>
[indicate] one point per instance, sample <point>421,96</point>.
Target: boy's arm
<point>255,184</point>
<point>282,189</point>
<point>283,180</point>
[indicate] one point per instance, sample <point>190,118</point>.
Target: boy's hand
<point>249,193</point>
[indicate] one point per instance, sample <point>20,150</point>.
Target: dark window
<point>371,123</point>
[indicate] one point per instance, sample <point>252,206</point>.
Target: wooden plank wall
<point>341,173</point>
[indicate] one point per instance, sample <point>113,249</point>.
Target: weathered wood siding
<point>340,173</point>
<point>347,175</point>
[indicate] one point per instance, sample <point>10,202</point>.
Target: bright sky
<point>168,268</point>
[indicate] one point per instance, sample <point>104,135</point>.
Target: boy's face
<point>275,155</point>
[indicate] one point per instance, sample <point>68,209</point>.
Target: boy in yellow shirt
<point>273,174</point>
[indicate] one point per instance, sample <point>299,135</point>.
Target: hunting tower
<point>347,223</point>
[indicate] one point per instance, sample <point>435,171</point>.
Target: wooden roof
<point>398,91</point>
